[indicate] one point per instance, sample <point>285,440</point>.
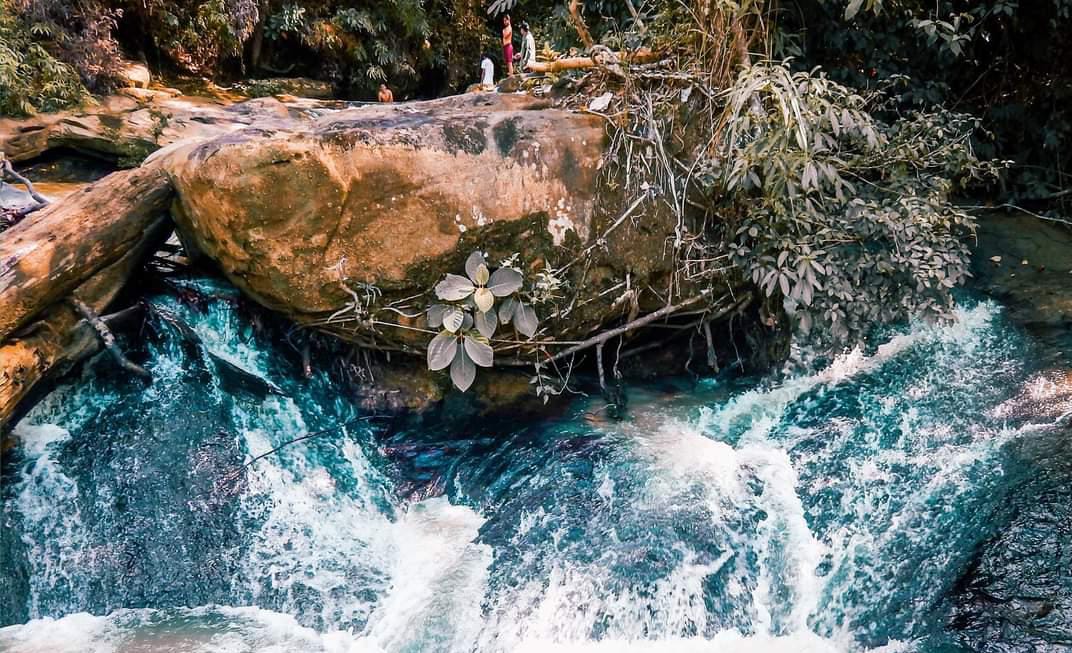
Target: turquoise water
<point>915,495</point>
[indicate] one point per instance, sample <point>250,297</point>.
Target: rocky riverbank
<point>1026,262</point>
<point>345,219</point>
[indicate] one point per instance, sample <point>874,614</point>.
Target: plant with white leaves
<point>471,318</point>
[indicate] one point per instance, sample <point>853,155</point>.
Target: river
<point>911,495</point>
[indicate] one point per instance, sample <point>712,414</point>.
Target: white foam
<point>55,537</point>
<point>437,580</point>
<point>312,536</point>
<point>729,641</point>
<point>75,633</point>
<point>762,406</point>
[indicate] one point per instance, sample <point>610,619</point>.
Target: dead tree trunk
<point>44,258</point>
<point>641,56</point>
<point>575,7</point>
<point>80,250</point>
<point>48,347</point>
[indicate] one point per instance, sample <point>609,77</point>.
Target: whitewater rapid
<point>826,511</point>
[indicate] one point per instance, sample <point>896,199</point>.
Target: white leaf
<point>482,275</point>
<point>601,103</point>
<point>454,287</point>
<point>475,260</point>
<point>484,299</point>
<point>453,319</point>
<point>441,351</point>
<point>505,281</point>
<point>481,352</point>
<point>435,315</point>
<point>486,322</point>
<point>525,319</point>
<point>506,311</point>
<point>462,371</point>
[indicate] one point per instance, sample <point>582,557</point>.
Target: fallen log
<point>48,347</point>
<point>581,63</point>
<point>44,258</point>
<point>7,170</point>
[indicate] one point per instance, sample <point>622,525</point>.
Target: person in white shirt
<point>487,69</point>
<point>528,47</point>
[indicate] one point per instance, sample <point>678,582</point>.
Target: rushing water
<point>913,496</point>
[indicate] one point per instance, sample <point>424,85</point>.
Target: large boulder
<point>379,202</point>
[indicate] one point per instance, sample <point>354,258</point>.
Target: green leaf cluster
<point>31,78</point>
<point>843,220</point>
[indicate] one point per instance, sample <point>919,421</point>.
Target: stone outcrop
<point>129,126</point>
<point>303,215</point>
<point>339,218</point>
<point>135,74</point>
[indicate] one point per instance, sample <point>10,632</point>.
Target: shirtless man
<point>385,94</point>
<point>508,45</point>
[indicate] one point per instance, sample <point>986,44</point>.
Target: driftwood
<point>45,258</point>
<point>580,63</point>
<point>63,267</point>
<point>40,201</point>
<point>108,338</point>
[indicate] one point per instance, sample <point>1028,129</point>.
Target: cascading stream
<point>845,509</point>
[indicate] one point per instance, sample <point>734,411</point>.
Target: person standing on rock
<point>487,70</point>
<point>528,47</point>
<point>385,94</point>
<point>508,45</point>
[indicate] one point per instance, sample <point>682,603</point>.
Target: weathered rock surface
<point>1027,263</point>
<point>299,215</point>
<point>130,126</point>
<point>136,74</point>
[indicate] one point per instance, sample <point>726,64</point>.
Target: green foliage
<point>361,44</point>
<point>198,35</point>
<point>845,221</point>
<point>31,78</point>
<point>471,318</point>
<point>290,19</point>
<point>1007,61</point>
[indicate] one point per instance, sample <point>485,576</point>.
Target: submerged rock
<point>1024,261</point>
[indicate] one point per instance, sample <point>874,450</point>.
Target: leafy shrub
<point>844,220</point>
<point>31,79</point>
<point>79,34</point>
<point>197,36</point>
<point>471,318</point>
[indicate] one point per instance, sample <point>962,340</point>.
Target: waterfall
<point>833,508</point>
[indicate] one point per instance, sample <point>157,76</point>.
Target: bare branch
<point>108,338</point>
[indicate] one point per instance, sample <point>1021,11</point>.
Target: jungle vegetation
<point>818,150</point>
